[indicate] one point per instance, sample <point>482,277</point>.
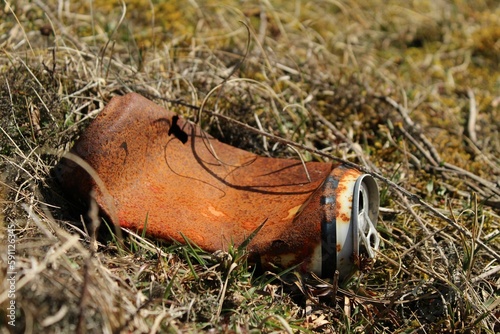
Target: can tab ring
<point>365,212</point>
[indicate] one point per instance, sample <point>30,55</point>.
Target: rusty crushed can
<point>147,168</point>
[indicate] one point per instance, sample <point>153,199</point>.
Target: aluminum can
<point>148,169</point>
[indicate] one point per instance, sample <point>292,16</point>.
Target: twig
<point>486,274</point>
<point>339,134</point>
<point>420,242</point>
<point>350,294</point>
<point>432,155</point>
<point>397,265</point>
<point>409,123</point>
<point>426,154</point>
<point>302,161</point>
<point>424,228</point>
<point>494,189</point>
<point>480,154</point>
<point>471,122</point>
<point>80,326</point>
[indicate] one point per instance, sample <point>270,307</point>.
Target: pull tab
<point>365,208</point>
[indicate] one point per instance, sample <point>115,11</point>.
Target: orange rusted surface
<point>158,167</point>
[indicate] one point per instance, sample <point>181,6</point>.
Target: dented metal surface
<point>154,165</point>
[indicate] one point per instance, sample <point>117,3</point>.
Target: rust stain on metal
<point>156,165</point>
<point>343,218</point>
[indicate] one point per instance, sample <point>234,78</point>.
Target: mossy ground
<point>410,91</point>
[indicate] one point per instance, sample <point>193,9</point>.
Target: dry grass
<point>409,92</point>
